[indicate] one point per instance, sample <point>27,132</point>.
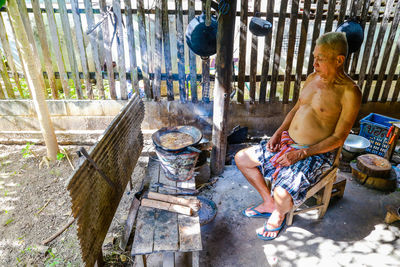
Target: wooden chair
<point>322,191</point>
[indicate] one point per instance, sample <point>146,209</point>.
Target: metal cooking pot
<point>356,143</point>
<point>202,39</point>
<point>354,34</point>
<point>259,27</point>
<point>190,130</point>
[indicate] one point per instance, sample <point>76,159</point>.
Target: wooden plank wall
<point>145,49</point>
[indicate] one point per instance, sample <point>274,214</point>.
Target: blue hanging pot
<point>259,27</point>
<point>202,39</point>
<point>354,34</point>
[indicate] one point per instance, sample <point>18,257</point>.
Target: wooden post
<point>223,85</point>
<point>35,81</point>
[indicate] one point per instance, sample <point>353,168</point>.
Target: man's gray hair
<point>335,40</point>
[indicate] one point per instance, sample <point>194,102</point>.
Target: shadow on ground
<point>351,233</point>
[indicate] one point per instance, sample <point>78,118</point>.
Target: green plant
<point>26,151</point>
<point>53,260</point>
<point>60,156</point>
<point>9,221</point>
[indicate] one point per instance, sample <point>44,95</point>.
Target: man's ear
<point>340,60</point>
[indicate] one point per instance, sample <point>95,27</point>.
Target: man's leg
<point>283,204</point>
<point>247,162</point>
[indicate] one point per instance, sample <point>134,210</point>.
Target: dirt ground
<point>35,204</point>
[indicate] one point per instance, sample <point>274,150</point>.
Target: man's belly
<point>308,129</point>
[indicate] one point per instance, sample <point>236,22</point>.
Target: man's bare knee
<point>282,196</point>
<point>241,158</point>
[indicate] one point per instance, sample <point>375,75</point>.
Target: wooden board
<point>373,165</point>
<point>368,44</point>
<point>192,59</point>
<point>253,58</point>
<point>242,51</point>
<point>132,45</point>
<point>267,53</point>
<point>157,53</point>
<point>385,59</point>
<point>143,48</point>
<point>121,49</point>
<point>376,54</point>
<point>189,226</point>
<point>302,48</point>
<point>166,223</point>
<point>167,50</point>
<point>180,49</point>
<point>316,33</point>
<point>70,47</point>
<point>95,49</point>
<point>277,51</point>
<point>290,50</point>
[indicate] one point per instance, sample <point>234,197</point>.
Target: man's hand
<point>291,157</point>
<point>274,143</point>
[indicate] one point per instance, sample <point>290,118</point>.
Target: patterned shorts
<point>296,178</point>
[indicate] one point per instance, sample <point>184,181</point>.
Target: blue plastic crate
<point>374,127</point>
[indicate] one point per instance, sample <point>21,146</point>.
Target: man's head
<point>330,52</point>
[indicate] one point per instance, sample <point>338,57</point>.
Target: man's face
<point>325,61</point>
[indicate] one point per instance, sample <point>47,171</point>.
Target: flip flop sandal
<point>257,213</point>
<point>266,238</point>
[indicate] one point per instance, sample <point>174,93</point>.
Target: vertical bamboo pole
<point>389,79</point>
<point>375,55</point>
<point>355,57</point>
<point>368,43</point>
<point>290,50</point>
<point>244,6</point>
<point>267,53</point>
<point>120,49</point>
<point>167,51</point>
<point>342,12</point>
<point>8,53</point>
<point>302,48</point>
<point>6,78</point>
<point>108,51</point>
<point>192,59</point>
<point>316,32</point>
<point>70,47</point>
<point>41,30</point>
<point>19,50</point>
<point>56,47</point>
<point>277,51</point>
<point>2,95</point>
<point>386,54</point>
<point>253,58</point>
<point>143,48</point>
<point>157,55</point>
<point>397,87</point>
<point>223,86</point>
<point>80,42</point>
<point>28,29</point>
<point>95,51</point>
<point>330,16</point>
<point>132,46</point>
<point>181,50</point>
<point>35,81</point>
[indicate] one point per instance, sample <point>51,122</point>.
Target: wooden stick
<point>42,208</point>
<point>191,203</point>
<point>167,206</point>
<point>69,161</point>
<point>59,232</point>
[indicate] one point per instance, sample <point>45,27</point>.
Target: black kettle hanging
<point>200,38</point>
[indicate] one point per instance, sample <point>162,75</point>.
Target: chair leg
<point>289,216</point>
<point>326,197</point>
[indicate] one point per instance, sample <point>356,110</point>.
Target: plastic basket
<point>374,127</point>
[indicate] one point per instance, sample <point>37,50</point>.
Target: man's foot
<point>272,227</point>
<point>261,210</point>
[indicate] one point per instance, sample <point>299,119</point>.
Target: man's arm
<point>351,102</point>
<point>273,144</point>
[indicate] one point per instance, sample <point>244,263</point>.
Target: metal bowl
<point>190,130</point>
<point>356,143</point>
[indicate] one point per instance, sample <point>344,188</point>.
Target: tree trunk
<point>30,62</point>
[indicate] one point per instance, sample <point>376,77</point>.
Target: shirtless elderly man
<point>301,148</point>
